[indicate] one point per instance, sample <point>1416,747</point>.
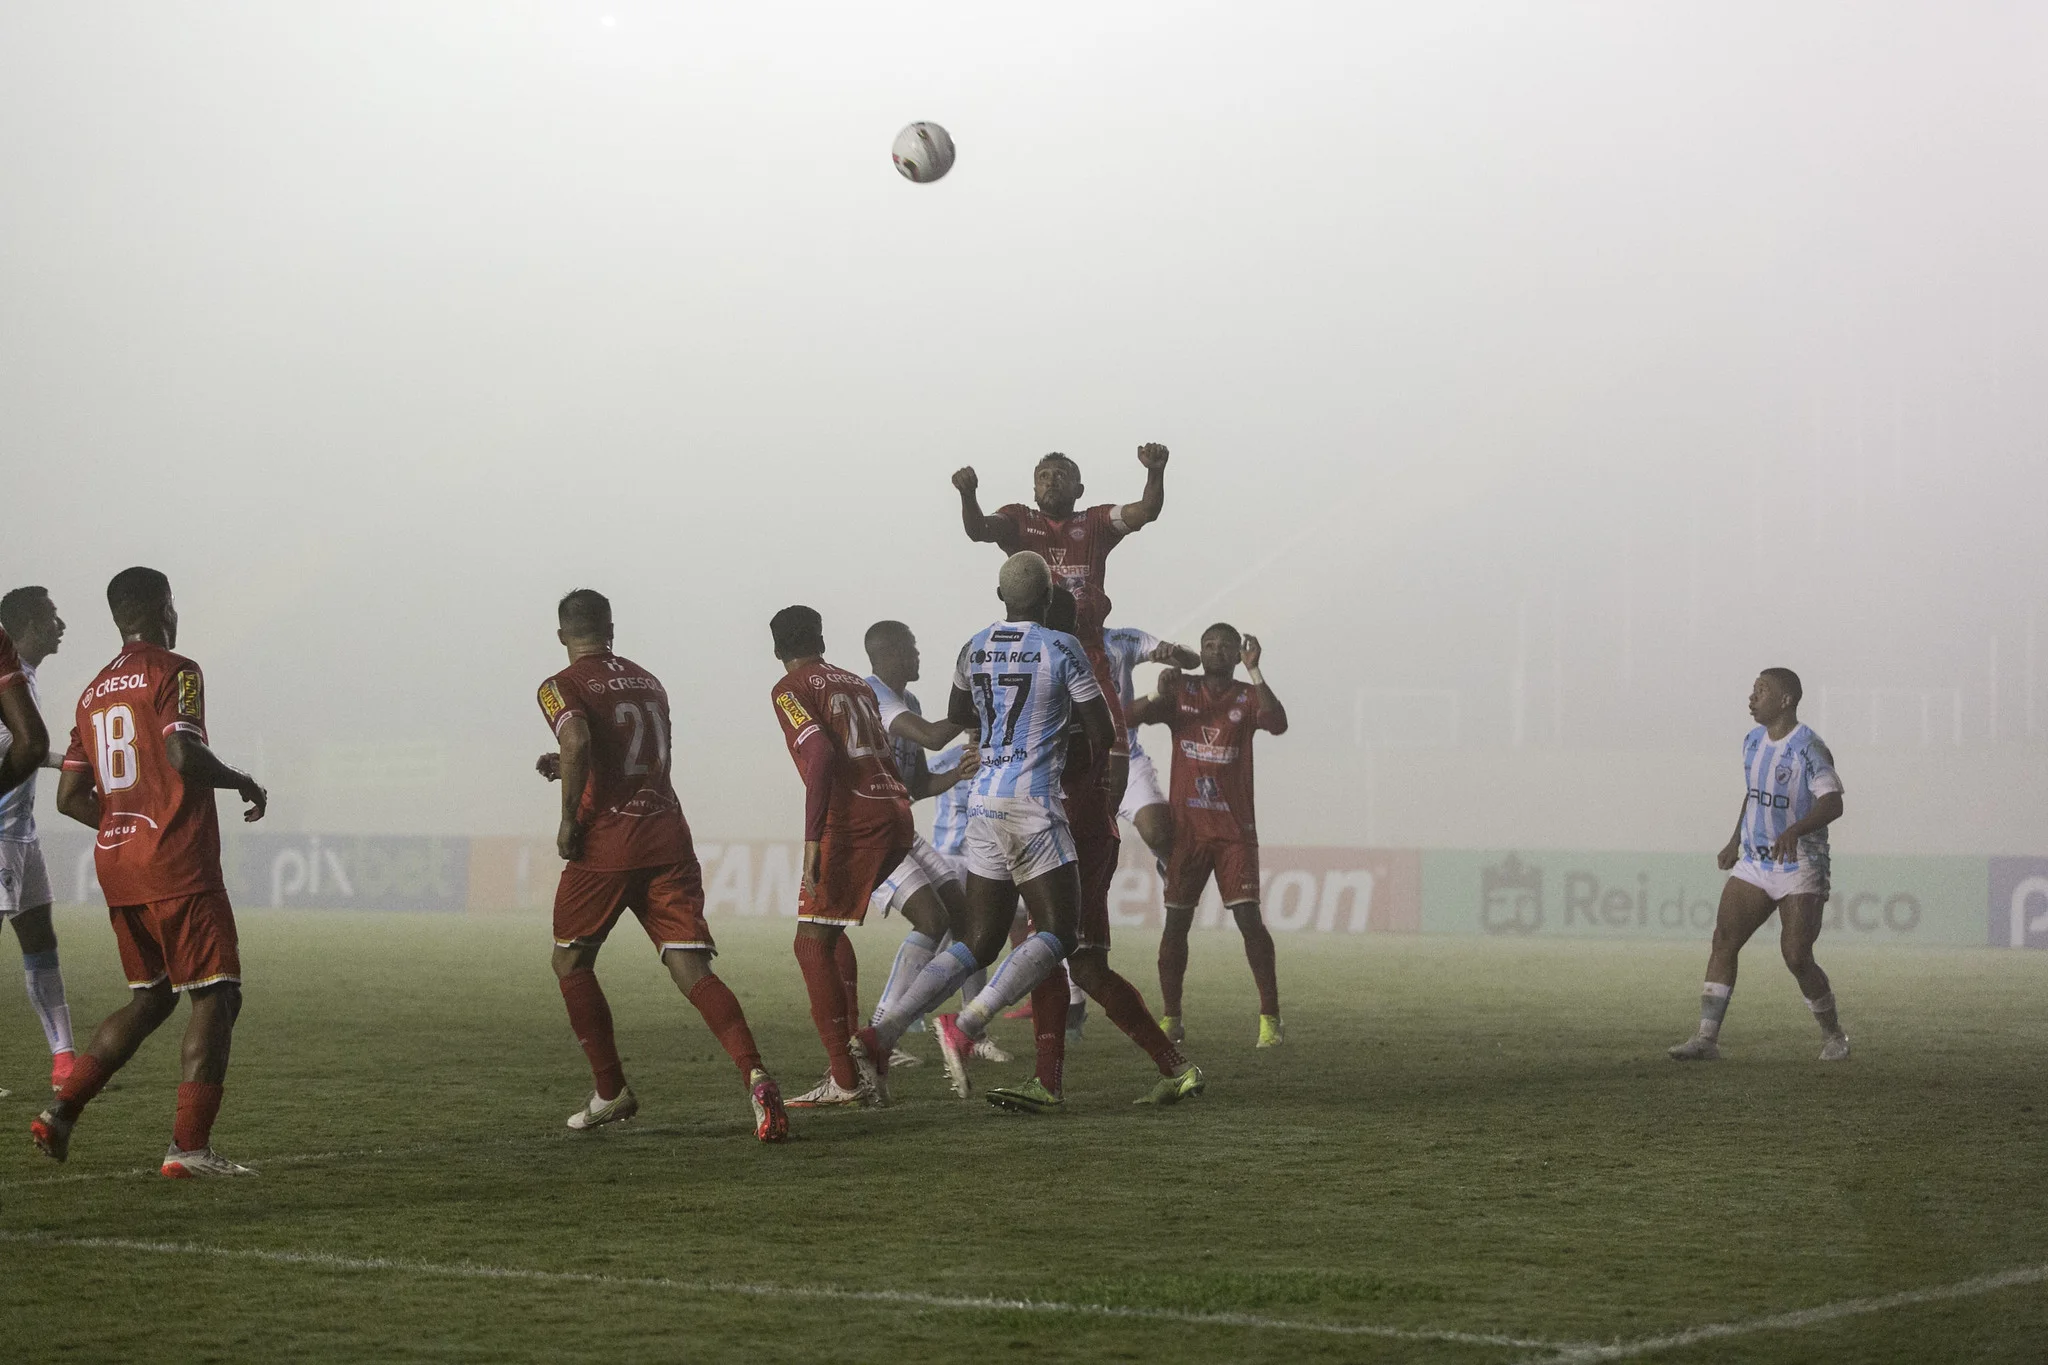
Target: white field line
<point>320,1260</point>
<point>1804,1317</point>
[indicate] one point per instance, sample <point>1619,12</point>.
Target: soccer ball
<point>923,152</point>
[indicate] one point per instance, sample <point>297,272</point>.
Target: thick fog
<point>1534,375</point>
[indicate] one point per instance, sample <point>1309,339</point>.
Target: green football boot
<point>1029,1098</point>
<point>1174,1089</point>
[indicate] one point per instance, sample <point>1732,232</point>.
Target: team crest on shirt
<point>1055,557</point>
<point>191,701</point>
<point>1236,715</point>
<point>1079,533</point>
<point>1784,774</point>
<point>793,709</point>
<point>551,700</point>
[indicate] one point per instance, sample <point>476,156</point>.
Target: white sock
<point>1713,1008</point>
<point>1029,963</point>
<point>1075,999</point>
<point>940,978</point>
<point>917,950</point>
<point>46,993</point>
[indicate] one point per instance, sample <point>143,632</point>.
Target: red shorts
<point>847,875</point>
<point>190,940</point>
<point>1234,861</point>
<point>669,901</point>
<point>1098,869</point>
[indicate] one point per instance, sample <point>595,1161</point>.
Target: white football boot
<point>1697,1048</point>
<point>899,1058</point>
<point>597,1113</point>
<point>188,1165</point>
<point>828,1094</point>
<point>987,1050</point>
<point>1836,1048</point>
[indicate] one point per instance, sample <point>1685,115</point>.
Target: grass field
<point>1466,1152</point>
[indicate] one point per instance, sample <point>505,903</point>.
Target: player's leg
<point>25,898</point>
<point>587,904</point>
<point>1744,908</point>
<point>689,966</point>
<point>150,1002</point>
<point>1144,806</point>
<point>1237,881</point>
<point>1053,900</point>
<point>1155,826</point>
<point>209,1036</point>
<point>1799,918</point>
<point>1187,873</point>
<point>45,980</point>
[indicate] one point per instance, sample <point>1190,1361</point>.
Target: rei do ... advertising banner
<point>1933,900</point>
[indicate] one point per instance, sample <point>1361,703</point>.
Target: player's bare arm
<point>573,769</point>
<point>1272,715</point>
<point>1147,508</point>
<point>929,734</point>
<point>1173,655</point>
<point>31,745</point>
<point>200,766</point>
<point>969,764</point>
<point>1826,810</point>
<point>78,798</point>
<point>1156,709</point>
<point>1731,852</point>
<point>979,528</point>
<point>1101,731</point>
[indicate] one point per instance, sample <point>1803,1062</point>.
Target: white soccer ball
<point>923,152</point>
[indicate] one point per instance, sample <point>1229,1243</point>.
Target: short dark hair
<point>18,606</point>
<point>133,593</point>
<point>1226,628</point>
<point>1787,679</point>
<point>1062,612</point>
<point>584,613</point>
<point>1055,456</point>
<point>798,631</point>
<point>881,631</point>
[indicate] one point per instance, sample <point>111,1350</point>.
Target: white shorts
<point>24,881</point>
<point>923,866</point>
<point>1807,879</point>
<point>1143,788</point>
<point>1017,839</point>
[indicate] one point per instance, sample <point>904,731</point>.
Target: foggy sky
<point>1575,362</point>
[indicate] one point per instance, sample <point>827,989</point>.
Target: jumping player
<point>857,828</point>
<point>628,847</point>
<point>1144,803</point>
<point>1076,548</point>
<point>1019,683</point>
<point>28,615</point>
<point>139,771</point>
<point>1213,719</point>
<point>1097,845</point>
<point>1779,859</point>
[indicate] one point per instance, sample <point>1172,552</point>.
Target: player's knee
<point>1249,920</point>
<point>1088,969</point>
<point>224,996</point>
<point>1798,956</point>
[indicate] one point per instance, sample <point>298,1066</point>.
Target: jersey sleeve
<point>810,748</point>
<point>1821,777</point>
<point>799,726</point>
<point>1010,526</point>
<point>559,703</point>
<point>1109,523</point>
<point>10,664</point>
<point>180,700</point>
<point>890,705</point>
<point>1074,672</point>
<point>76,759</point>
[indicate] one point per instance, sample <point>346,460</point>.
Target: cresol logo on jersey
<point>1618,895</point>
<point>2019,903</point>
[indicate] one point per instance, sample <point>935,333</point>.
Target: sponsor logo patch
<point>191,698</point>
<point>552,701</point>
<point>792,710</point>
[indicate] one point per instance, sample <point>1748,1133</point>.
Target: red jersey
<point>629,812</point>
<point>1212,757</point>
<point>833,727</point>
<point>159,836</point>
<point>1077,550</point>
<point>10,663</point>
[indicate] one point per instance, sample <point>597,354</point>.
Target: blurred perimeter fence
<point>1996,902</point>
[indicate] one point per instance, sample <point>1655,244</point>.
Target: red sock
<point>198,1102</point>
<point>721,1010</point>
<point>590,1015</point>
<point>88,1075</point>
<point>849,972</point>
<point>1121,1001</point>
<point>1258,950</point>
<point>827,989</point>
<point>1049,1029</point>
<point>1173,966</point>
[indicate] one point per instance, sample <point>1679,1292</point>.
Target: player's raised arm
<point>1272,715</point>
<point>1173,655</point>
<point>979,528</point>
<point>31,741</point>
<point>1146,509</point>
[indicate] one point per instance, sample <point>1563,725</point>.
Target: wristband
<point>1253,674</point>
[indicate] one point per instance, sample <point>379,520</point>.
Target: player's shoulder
<point>1813,744</point>
<point>1756,736</point>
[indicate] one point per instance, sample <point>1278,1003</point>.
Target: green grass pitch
<point>1477,1144</point>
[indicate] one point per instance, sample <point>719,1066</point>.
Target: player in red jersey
<point>628,847</point>
<point>857,827</point>
<point>140,772</point>
<point>1213,719</point>
<point>1097,845</point>
<point>1076,547</point>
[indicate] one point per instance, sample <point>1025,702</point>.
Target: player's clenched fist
<point>965,479</point>
<point>1152,455</point>
<point>1252,652</point>
<point>549,765</point>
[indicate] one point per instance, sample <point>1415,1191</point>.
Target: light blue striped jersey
<point>889,702</point>
<point>18,807</point>
<point>949,807</point>
<point>1026,680</point>
<point>1127,647</point>
<point>1785,777</point>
